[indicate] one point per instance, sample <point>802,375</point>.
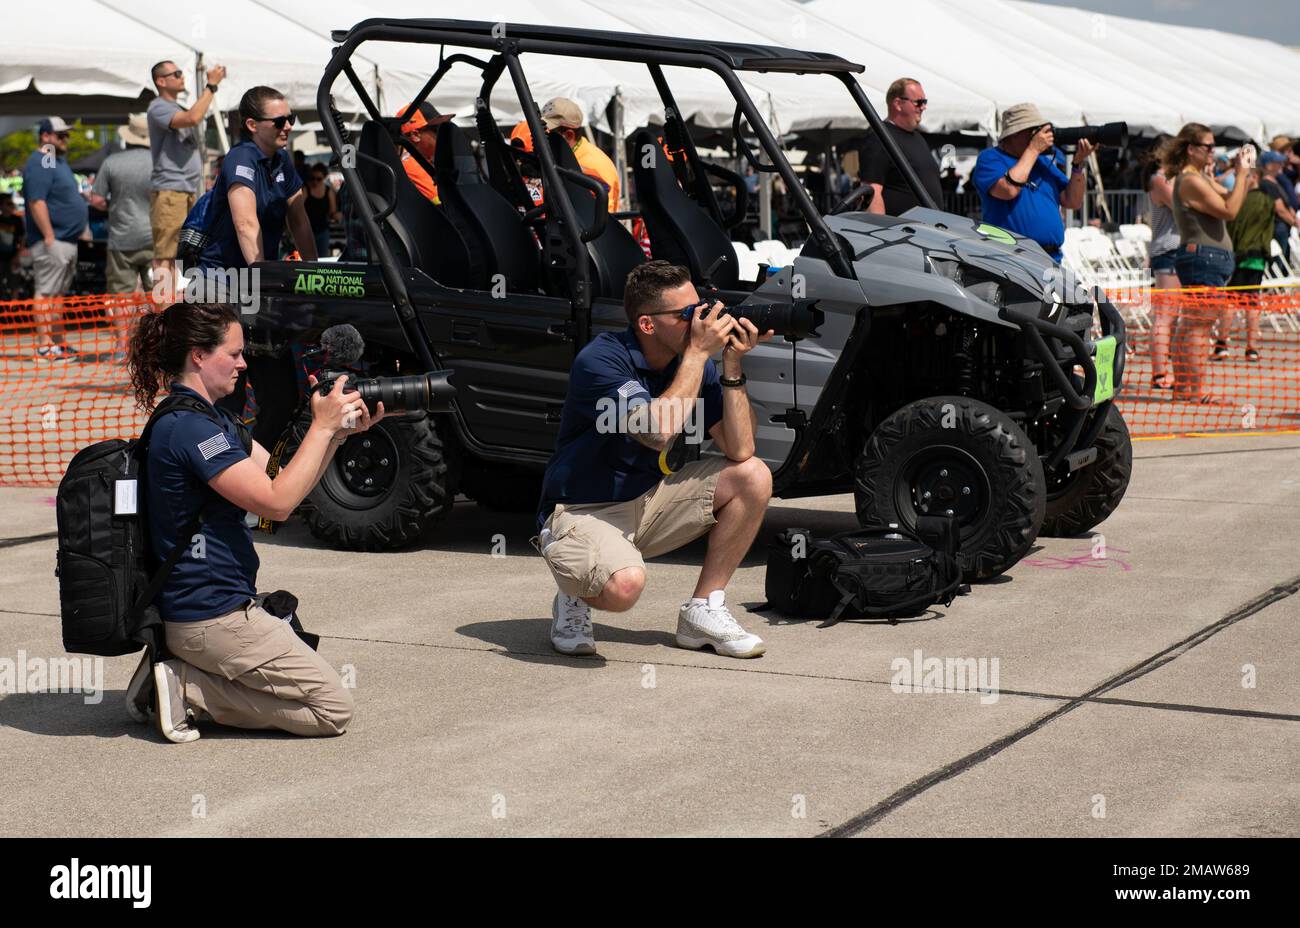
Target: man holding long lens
<point>1021,186</point>
<point>614,493</point>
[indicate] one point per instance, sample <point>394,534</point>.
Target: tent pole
<point>765,184</point>
<point>379,89</point>
<point>200,80</point>
<point>620,148</point>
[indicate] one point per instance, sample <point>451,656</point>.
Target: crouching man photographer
<point>611,497</point>
<point>1020,184</point>
<point>233,660</point>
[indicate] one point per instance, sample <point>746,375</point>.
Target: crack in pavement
<point>555,657</point>
<point>1211,502</point>
<point>861,822</point>
<point>26,539</point>
<point>1200,454</point>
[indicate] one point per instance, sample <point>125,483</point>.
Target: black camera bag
<point>886,573</point>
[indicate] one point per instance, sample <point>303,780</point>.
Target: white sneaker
<point>173,720</point>
<point>711,623</point>
<point>140,691</point>
<point>571,631</point>
<point>53,353</point>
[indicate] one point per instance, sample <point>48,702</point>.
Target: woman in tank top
<point>1161,251</point>
<point>1201,207</point>
<point>322,207</point>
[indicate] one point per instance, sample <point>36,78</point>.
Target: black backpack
<point>867,573</point>
<point>106,592</point>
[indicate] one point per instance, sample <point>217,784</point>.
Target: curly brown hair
<point>161,340</point>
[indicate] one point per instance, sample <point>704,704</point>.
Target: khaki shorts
<point>594,540</point>
<point>53,267</point>
<point>167,212</point>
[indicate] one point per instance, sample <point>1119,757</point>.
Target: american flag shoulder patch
<point>214,446</point>
<point>630,388</point>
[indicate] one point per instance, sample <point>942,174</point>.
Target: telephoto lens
<point>1111,135</point>
<point>794,320</point>
<point>410,393</point>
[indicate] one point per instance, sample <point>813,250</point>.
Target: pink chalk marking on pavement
<point>1080,560</point>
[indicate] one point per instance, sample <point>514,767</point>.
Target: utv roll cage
<point>507,42</point>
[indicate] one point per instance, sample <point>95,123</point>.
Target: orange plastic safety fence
<point>1207,360</point>
<point>55,406</point>
<point>58,401</point>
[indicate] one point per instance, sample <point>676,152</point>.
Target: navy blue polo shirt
<point>186,450</point>
<point>273,180</point>
<point>594,463</point>
<point>1036,212</point>
<point>52,180</point>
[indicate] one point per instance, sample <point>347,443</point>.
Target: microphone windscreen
<point>343,343</point>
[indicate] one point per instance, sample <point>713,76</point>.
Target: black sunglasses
<point>177,73</point>
<point>685,312</point>
<point>278,121</point>
<point>1208,146</point>
<point>918,103</point>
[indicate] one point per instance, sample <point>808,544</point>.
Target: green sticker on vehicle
<point>1104,361</point>
<point>998,235</point>
<point>330,281</point>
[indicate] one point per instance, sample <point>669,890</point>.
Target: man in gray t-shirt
<point>175,152</point>
<point>177,168</point>
<point>122,187</point>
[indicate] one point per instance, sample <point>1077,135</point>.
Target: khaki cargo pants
<point>248,669</point>
<point>594,540</point>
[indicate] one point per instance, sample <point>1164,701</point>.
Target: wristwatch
<point>738,382</point>
<point>212,87</point>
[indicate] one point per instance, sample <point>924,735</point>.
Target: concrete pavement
<point>469,724</point>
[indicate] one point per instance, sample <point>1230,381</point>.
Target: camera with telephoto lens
<point>1111,135</point>
<point>794,319</point>
<point>409,393</point>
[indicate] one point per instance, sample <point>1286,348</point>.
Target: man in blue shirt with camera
<point>1022,187</point>
<point>616,492</point>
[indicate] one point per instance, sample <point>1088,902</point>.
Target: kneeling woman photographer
<point>233,660</point>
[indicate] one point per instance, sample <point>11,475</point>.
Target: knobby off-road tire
<point>412,476</point>
<point>1092,493</point>
<point>971,459</point>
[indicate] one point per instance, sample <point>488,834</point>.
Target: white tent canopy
<point>974,57</point>
<point>976,45</point>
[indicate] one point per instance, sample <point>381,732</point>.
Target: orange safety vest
<point>423,182</point>
<point>594,162</point>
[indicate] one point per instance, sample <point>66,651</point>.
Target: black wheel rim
<point>364,470</point>
<point>939,480</point>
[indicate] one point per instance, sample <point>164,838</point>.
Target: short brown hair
<point>898,89</point>
<point>644,290</point>
<point>157,69</point>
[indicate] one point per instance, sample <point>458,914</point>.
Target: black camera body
<point>408,393</point>
<point>1110,135</point>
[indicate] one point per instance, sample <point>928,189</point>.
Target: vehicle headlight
<point>953,270</point>
<point>990,291</point>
